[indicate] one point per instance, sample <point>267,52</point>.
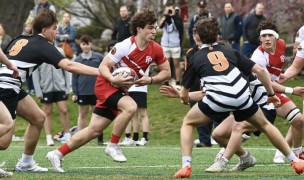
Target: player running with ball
<point>136,52</point>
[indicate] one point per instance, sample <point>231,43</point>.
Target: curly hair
<point>267,24</point>
<point>141,19</point>
<point>208,30</point>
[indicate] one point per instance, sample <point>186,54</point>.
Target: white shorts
<point>172,52</point>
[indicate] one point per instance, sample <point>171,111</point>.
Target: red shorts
<point>283,98</point>
<point>103,90</point>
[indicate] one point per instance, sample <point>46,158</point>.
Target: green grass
<point>159,160</point>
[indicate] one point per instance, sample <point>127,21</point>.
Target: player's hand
<point>144,80</point>
<point>169,91</point>
<point>275,100</point>
<point>298,91</point>
<point>282,78</point>
<point>120,81</point>
<point>14,69</point>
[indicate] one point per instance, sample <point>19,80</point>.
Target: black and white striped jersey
<point>224,72</point>
<point>27,53</point>
<point>259,93</point>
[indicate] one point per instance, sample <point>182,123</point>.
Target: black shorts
<point>270,116</point>
<point>239,115</point>
<point>110,110</point>
<point>86,99</point>
<point>53,97</point>
<point>10,99</point>
<point>140,98</point>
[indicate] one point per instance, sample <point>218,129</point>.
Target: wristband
<point>288,90</point>
<point>271,94</point>
<point>151,80</point>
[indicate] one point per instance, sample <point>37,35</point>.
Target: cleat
<point>301,155</point>
<point>55,161</point>
<point>246,162</point>
<point>64,138</point>
<point>114,151</point>
<point>49,141</point>
<point>29,167</point>
<point>184,172</point>
<point>218,166</point>
<point>128,142</point>
<point>5,173</point>
<point>142,142</point>
<point>298,167</point>
<point>279,157</point>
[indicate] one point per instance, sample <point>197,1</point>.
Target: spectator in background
<point>27,30</point>
<point>173,28</point>
<point>83,86</point>
<point>53,88</point>
<point>42,4</point>
<point>201,12</point>
<point>77,41</point>
<point>5,39</point>
<point>67,32</point>
<point>121,30</point>
<point>298,40</point>
<point>231,26</point>
<point>250,25</point>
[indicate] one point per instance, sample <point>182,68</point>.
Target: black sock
<point>135,136</point>
<point>145,135</point>
<point>128,135</point>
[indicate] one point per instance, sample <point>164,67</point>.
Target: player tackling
<point>136,52</point>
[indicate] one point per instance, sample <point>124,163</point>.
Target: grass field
<point>159,160</point>
<point>150,162</point>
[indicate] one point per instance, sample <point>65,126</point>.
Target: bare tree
<point>13,14</point>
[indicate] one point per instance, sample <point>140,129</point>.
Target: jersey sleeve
<point>189,74</point>
<point>259,58</point>
<point>300,51</point>
<point>160,55</point>
<point>244,63</point>
<point>300,35</point>
<point>120,50</point>
<point>51,55</point>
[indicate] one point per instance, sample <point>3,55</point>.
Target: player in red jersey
<point>271,56</point>
<point>136,52</point>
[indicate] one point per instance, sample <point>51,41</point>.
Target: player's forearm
<point>264,77</point>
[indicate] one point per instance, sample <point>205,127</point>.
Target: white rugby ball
<point>126,72</point>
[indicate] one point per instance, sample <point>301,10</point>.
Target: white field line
<point>148,147</point>
<point>166,166</point>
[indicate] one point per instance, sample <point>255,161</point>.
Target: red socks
<point>114,139</point>
<point>64,149</point>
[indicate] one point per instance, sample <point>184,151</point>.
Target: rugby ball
<point>126,72</point>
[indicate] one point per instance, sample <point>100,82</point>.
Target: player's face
<point>149,32</point>
<point>50,33</point>
<point>86,47</point>
<point>268,41</point>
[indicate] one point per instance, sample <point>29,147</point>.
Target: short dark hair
<point>208,30</point>
<point>141,19</point>
<point>86,39</point>
<point>44,19</point>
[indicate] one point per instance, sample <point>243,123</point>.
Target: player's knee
<point>131,109</point>
<point>38,118</point>
<point>238,127</point>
